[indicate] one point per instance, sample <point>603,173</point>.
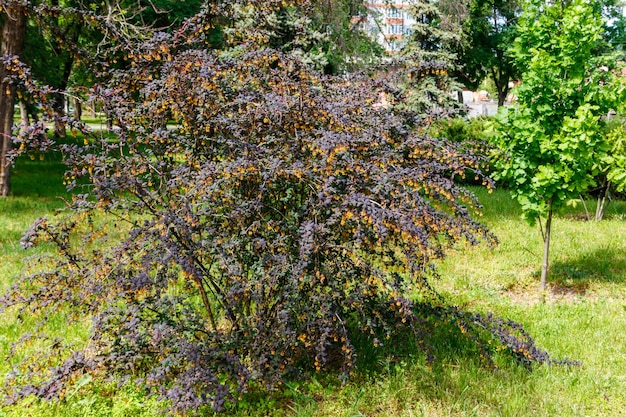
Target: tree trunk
<point>78,110</point>
<point>12,40</point>
<point>24,117</point>
<point>546,251</point>
<point>58,105</point>
<point>32,113</point>
<point>502,94</point>
<point>502,85</point>
<point>109,123</point>
<point>604,190</point>
<point>60,100</point>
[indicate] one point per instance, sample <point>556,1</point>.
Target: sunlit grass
<point>37,190</point>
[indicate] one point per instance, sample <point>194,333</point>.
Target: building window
<point>395,29</point>
<point>393,12</point>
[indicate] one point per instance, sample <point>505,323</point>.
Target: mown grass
<point>583,318</point>
<point>37,190</point>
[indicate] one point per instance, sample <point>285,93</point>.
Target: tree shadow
<point>602,265</point>
<point>40,175</point>
<point>455,369</point>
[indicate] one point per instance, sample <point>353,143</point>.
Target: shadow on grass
<point>38,178</point>
<point>603,265</point>
<point>500,204</point>
<point>398,373</point>
<point>40,175</point>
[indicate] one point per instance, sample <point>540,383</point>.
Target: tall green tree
<point>488,32</point>
<point>550,144</point>
<point>433,35</point>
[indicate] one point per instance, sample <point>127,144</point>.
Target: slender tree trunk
<point>502,85</point>
<point>545,266</point>
<point>32,113</point>
<point>58,105</point>
<point>109,123</point>
<point>60,101</point>
<point>24,117</point>
<point>78,109</point>
<point>502,93</point>
<point>604,190</point>
<point>12,40</point>
<point>6,126</point>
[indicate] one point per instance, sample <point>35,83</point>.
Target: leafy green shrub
<point>615,160</point>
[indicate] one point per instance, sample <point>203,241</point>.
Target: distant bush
<point>615,174</point>
<point>471,135</point>
<point>462,130</point>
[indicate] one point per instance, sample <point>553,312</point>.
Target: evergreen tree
<point>434,34</point>
<point>320,33</point>
<point>429,55</point>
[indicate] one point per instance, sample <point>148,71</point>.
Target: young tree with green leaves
<point>551,144</point>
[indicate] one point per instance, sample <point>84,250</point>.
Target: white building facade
<point>389,23</point>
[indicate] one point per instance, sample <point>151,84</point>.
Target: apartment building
<point>389,22</point>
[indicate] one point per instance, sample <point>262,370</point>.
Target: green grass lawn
<point>583,318</point>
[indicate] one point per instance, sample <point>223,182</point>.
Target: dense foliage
<point>488,32</point>
<point>251,216</point>
<point>553,139</point>
<point>429,57</point>
<point>615,160</point>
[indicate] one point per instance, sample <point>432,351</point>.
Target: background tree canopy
<point>488,32</point>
